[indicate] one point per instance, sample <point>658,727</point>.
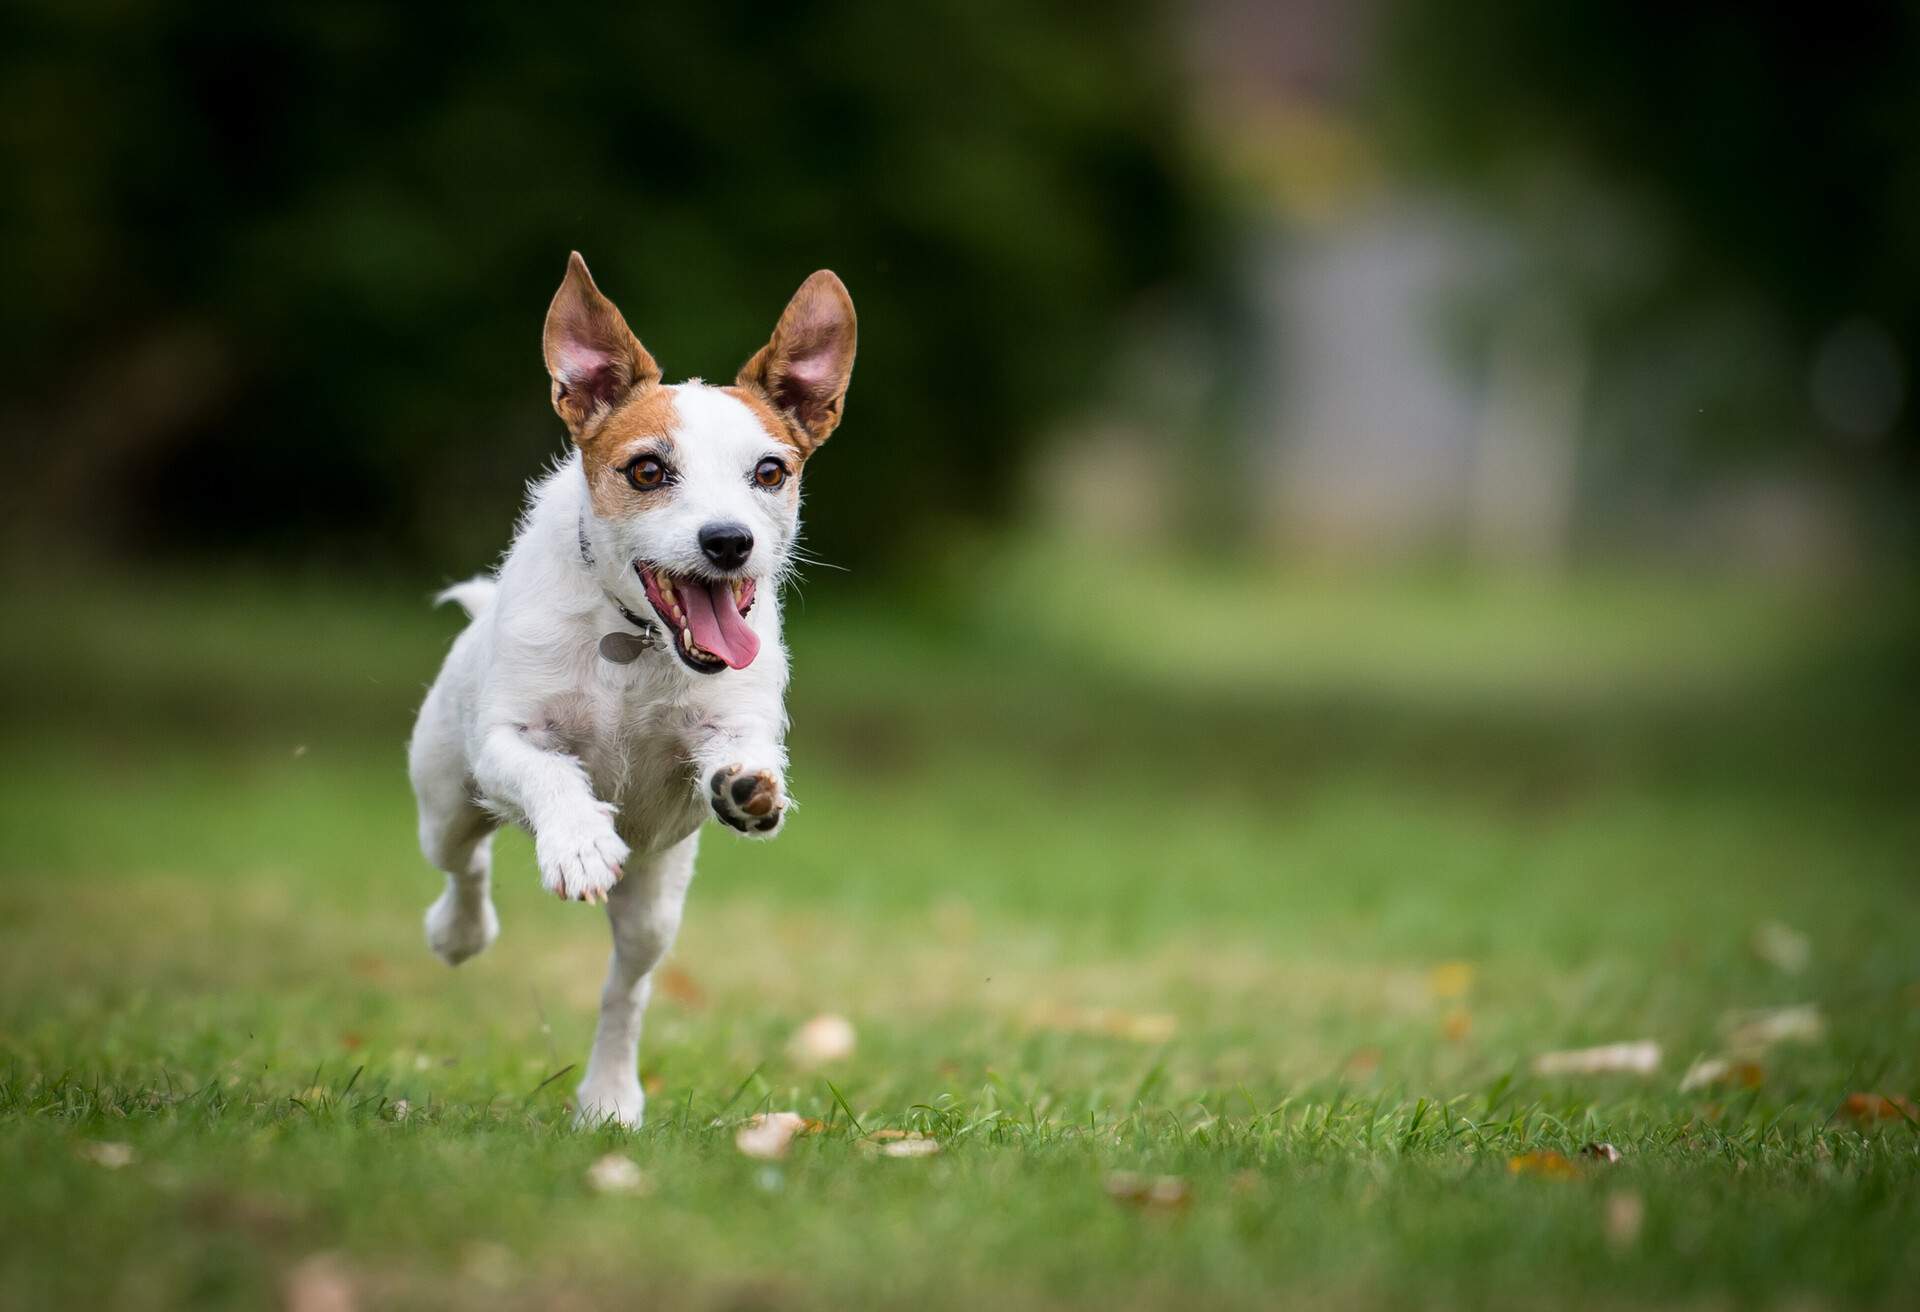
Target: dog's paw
<point>612,1102</point>
<point>581,861</point>
<point>752,801</point>
<point>456,932</point>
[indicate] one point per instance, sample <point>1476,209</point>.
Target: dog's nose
<point>727,545</point>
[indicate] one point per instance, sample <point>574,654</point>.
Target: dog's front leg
<point>741,770</point>
<point>644,910</point>
<point>574,842</point>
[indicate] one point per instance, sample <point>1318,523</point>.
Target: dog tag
<point>622,648</point>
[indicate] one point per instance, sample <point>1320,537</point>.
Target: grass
<point>1289,923</point>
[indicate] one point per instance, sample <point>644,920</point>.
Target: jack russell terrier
<point>623,675</point>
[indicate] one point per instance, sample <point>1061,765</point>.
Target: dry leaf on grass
<point>1545,1163</point>
<point>768,1136</point>
<point>901,1143</point>
<point>1457,1025</point>
<point>676,984</point>
<point>1711,1071</point>
<point>1363,1063</point>
<point>1640,1057</point>
<point>113,1156</point>
<point>616,1174</point>
<point>1153,1193</point>
<point>823,1039</point>
<point>1450,979</point>
<point>1782,947</point>
<point>1755,1031</point>
<point>1870,1107</point>
<point>320,1284</point>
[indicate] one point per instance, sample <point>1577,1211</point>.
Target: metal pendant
<point>623,648</point>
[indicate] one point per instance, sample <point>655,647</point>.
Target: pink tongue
<point>717,623</point>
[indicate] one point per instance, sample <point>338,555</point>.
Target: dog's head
<point>693,491</point>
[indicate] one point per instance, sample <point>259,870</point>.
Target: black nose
<point>727,545</point>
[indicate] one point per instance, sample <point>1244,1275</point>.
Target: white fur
<point>607,765</point>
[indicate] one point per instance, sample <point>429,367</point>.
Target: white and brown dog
<point>623,674</point>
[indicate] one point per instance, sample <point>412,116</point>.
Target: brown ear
<point>592,357</point>
<point>804,369</point>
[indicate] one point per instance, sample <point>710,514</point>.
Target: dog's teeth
<point>686,636</point>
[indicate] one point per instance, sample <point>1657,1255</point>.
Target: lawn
<point>1210,924</point>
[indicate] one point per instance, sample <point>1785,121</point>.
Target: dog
<point>622,676</point>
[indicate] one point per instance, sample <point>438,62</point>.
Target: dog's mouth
<point>707,617</point>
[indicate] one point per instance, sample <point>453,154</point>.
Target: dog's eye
<point>769,473</point>
<point>646,473</point>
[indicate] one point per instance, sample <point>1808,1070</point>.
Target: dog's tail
<point>475,595</point>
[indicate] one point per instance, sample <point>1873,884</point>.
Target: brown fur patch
<point>779,427</point>
<point>648,417</point>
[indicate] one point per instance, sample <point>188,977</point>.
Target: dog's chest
<point>638,752</point>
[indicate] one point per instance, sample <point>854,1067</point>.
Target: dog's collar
<point>620,648</point>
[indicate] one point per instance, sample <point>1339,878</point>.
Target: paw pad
<point>749,801</point>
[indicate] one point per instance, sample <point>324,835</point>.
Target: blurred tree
<point>276,273</point>
<point>1728,192</point>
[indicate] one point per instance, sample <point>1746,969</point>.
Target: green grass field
<point>1276,885</point>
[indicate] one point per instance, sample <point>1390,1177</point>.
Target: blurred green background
<point>1370,543</point>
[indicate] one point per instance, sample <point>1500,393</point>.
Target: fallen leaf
<point>1547,1164</point>
<point>1878,1107</point>
<point>651,1083</point>
<point>676,984</point>
<point>767,1136</point>
<point>1363,1063</point>
<point>616,1174</point>
<point>1625,1215</point>
<point>1602,1152</point>
<point>1450,979</point>
<point>1710,1071</point>
<point>1782,947</point>
<point>1457,1025</point>
<point>319,1284</point>
<point>1755,1031</point>
<point>1159,1193</point>
<point>902,1143</point>
<point>1640,1057</point>
<point>351,1042</point>
<point>113,1156</point>
<point>824,1039</point>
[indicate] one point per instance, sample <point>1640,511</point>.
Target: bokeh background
<point>1371,540</point>
<point>1372,279</point>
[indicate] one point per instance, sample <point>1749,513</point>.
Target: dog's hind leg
<point>644,910</point>
<point>455,834</point>
<point>459,840</point>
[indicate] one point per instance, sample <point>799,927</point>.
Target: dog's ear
<point>595,361</point>
<point>804,369</point>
